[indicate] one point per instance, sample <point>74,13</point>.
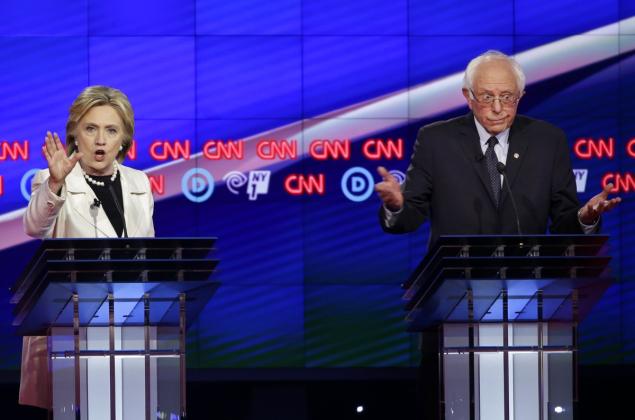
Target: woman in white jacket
<point>84,193</point>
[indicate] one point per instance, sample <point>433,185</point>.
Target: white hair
<point>491,55</point>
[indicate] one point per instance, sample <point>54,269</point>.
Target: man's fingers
<point>387,176</point>
<point>388,186</point>
<point>609,204</point>
<point>608,188</point>
<point>612,203</point>
<point>602,206</point>
<point>382,187</point>
<point>383,194</point>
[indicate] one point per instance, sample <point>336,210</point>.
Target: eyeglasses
<point>488,99</point>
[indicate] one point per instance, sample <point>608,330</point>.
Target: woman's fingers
<point>58,142</point>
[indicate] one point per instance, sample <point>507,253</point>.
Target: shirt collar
<point>503,136</point>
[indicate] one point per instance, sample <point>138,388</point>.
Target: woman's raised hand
<point>59,164</point>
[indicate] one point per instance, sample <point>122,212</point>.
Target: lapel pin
<point>516,155</point>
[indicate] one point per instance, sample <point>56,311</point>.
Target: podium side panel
<point>491,378</point>
<point>98,384</point>
<point>560,404</point>
<point>63,388</point>
<point>168,386</point>
<point>457,385</point>
<point>525,380</point>
<point>133,387</point>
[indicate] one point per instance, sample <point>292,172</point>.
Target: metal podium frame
<point>534,289</point>
<point>123,292</point>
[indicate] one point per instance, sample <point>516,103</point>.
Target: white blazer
<point>70,215</point>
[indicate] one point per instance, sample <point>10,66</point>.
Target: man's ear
<point>466,94</point>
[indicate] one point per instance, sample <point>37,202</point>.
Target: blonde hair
<point>94,96</point>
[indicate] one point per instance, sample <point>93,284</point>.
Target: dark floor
<point>605,393</point>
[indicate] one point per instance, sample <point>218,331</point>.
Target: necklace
<point>115,171</point>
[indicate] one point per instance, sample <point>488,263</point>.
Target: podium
<point>114,312</point>
<point>503,314</point>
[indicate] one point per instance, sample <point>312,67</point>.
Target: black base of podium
<point>605,393</point>
<point>428,386</point>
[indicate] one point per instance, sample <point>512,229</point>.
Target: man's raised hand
<point>597,205</point>
<point>389,190</point>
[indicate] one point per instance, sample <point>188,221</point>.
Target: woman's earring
<point>120,148</point>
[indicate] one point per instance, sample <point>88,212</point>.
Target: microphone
<point>94,209</point>
<point>501,168</point>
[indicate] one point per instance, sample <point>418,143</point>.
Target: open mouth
<point>100,155</point>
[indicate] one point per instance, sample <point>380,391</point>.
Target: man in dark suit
<point>454,180</point>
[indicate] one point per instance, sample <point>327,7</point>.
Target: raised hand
<point>59,164</point>
<point>389,190</point>
<point>597,205</point>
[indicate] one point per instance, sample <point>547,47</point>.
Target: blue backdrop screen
<point>286,108</point>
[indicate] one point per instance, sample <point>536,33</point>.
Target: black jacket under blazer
<point>447,182</point>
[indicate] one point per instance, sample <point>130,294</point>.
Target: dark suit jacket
<point>447,182</point>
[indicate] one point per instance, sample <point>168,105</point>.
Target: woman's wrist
<point>55,186</point>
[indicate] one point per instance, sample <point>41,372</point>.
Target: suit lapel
<point>130,187</point>
<point>471,146</point>
<point>125,195</point>
<point>81,198</point>
<point>518,143</point>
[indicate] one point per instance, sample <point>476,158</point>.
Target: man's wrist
<point>392,211</point>
<point>584,222</point>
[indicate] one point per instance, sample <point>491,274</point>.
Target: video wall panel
<point>285,109</point>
